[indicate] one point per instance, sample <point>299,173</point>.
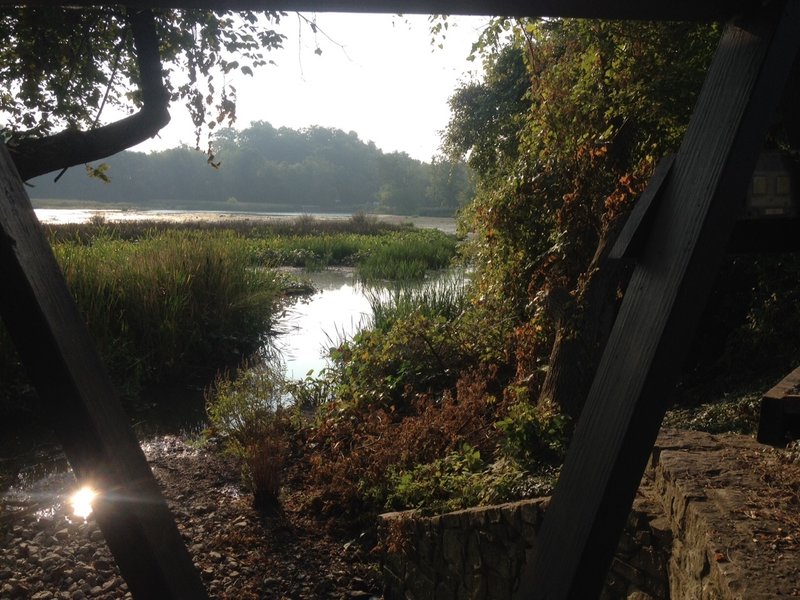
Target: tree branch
<point>71,147</point>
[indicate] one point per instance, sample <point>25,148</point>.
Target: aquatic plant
<point>172,304</point>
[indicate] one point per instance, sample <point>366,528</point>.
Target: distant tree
<point>450,186</point>
<point>60,67</point>
<point>310,169</point>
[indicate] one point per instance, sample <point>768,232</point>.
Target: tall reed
<point>445,297</point>
<point>407,256</point>
<point>173,303</point>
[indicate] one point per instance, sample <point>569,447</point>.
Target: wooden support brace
<point>663,302</point>
<point>83,406</point>
<point>637,228</point>
<point>780,409</point>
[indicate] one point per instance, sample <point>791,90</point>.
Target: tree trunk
<point>582,332</point>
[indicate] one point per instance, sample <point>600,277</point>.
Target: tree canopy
<point>61,67</point>
<point>564,132</point>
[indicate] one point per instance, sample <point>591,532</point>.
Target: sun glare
<point>81,502</point>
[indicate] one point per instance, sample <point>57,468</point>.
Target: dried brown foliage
<point>265,459</point>
<point>348,456</point>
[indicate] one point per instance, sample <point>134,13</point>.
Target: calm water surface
<point>310,327</point>
<point>82,215</point>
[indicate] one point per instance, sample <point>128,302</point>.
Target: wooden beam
<point>662,304</point>
<point>677,10</point>
<point>79,399</point>
<point>637,228</point>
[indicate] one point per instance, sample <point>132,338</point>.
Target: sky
<point>380,76</point>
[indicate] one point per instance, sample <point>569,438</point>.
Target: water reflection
<point>339,309</point>
<point>310,327</point>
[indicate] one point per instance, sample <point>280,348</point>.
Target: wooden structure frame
<point>690,217</point>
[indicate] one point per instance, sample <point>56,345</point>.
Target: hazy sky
<point>388,83</point>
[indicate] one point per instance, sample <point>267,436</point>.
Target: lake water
<point>336,311</point>
<point>82,215</point>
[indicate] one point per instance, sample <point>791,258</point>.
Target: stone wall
<point>665,552</point>
<point>479,553</point>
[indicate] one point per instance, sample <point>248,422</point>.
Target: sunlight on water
<point>337,311</point>
<point>81,502</point>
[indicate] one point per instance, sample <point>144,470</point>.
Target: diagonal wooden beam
<point>662,304</point>
<point>83,407</point>
<point>676,10</point>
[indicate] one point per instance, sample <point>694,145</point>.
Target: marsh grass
<point>380,251</point>
<point>442,298</point>
<point>304,225</point>
<point>173,303</point>
<point>407,256</point>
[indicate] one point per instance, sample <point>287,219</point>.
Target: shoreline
<point>79,215</point>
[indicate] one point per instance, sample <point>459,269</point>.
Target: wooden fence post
<point>83,406</point>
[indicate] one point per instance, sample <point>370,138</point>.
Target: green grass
<point>380,251</point>
<point>407,256</point>
<point>247,228</point>
<point>445,298</point>
<point>172,305</point>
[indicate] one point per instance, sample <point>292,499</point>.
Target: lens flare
<point>81,502</point>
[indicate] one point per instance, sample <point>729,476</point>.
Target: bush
<point>536,436</point>
<point>446,484</point>
<point>416,345</point>
<point>247,412</point>
<point>357,454</point>
<point>463,479</point>
<point>312,392</point>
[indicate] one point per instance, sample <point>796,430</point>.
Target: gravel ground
<point>48,553</point>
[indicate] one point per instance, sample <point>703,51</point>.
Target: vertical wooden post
<point>83,406</point>
<point>662,304</point>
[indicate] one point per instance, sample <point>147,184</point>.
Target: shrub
<point>312,392</point>
<point>416,345</point>
<point>463,479</point>
<point>535,435</point>
<point>357,453</point>
<point>443,485</point>
<point>248,414</point>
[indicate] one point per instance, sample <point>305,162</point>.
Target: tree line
<point>317,169</point>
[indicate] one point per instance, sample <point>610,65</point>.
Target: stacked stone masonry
<point>687,537</point>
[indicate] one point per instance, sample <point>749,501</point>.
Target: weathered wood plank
<point>778,406</point>
<point>82,405</point>
<point>662,305</point>
<point>676,10</point>
<point>634,234</point>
